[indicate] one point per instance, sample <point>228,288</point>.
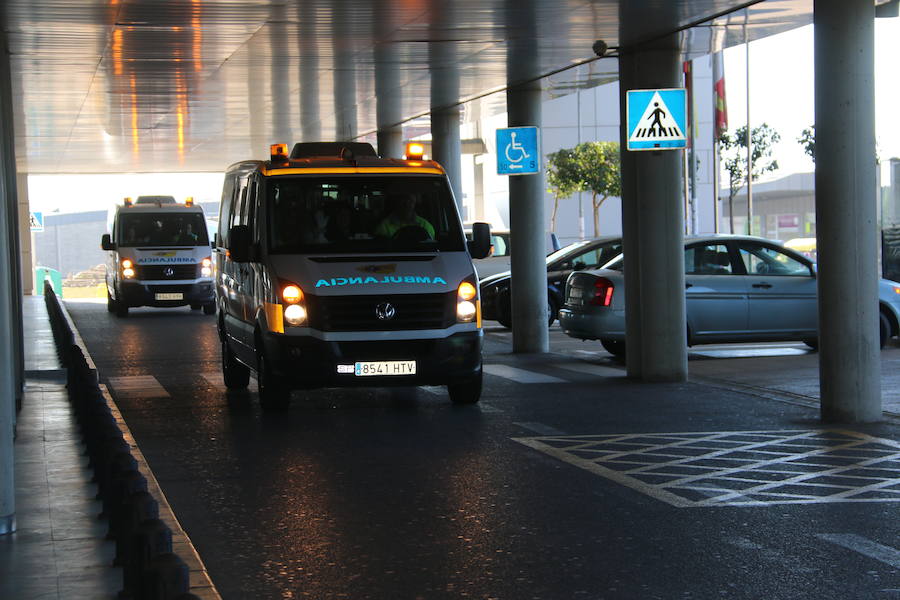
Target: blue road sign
<point>37,221</point>
<point>518,151</point>
<point>656,119</point>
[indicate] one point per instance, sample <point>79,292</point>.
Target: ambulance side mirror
<point>480,244</point>
<point>239,243</point>
<point>106,242</point>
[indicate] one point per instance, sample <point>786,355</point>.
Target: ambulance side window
<point>225,217</point>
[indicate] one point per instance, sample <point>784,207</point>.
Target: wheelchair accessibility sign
<point>656,119</point>
<point>518,151</point>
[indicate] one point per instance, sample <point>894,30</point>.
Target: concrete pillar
<point>345,126</point>
<point>653,225</point>
<point>447,149</point>
<point>526,192</point>
<point>388,100</point>
<point>443,66</point>
<point>310,119</point>
<point>8,259</point>
<point>849,357</point>
<point>25,236</point>
<point>280,70</point>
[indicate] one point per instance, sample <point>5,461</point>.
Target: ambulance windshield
<point>162,229</point>
<point>341,214</point>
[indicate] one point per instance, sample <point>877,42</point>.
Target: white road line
<point>539,428</point>
<point>857,543</point>
<point>591,369</point>
<point>137,386</point>
<point>520,375</point>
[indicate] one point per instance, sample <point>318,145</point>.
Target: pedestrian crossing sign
<point>36,221</point>
<point>656,119</point>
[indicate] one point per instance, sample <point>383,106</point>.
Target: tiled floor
<point>59,549</point>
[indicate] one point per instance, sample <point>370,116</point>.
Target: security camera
<point>600,48</point>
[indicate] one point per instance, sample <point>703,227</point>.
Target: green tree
<point>733,154</point>
<point>600,167</point>
<point>807,139</point>
<point>563,178</point>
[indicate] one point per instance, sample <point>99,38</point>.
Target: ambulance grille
<point>360,313</point>
<point>158,272</point>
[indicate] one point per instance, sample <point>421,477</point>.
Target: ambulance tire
<point>273,393</point>
<point>121,309</point>
<point>209,309</point>
<point>466,392</point>
<point>110,303</point>
<point>236,375</point>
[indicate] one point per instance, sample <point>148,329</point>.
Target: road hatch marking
<point>738,468</point>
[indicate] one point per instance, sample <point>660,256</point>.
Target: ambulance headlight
<point>206,267</point>
<point>465,311</point>
<point>127,268</point>
<point>295,315</point>
<point>466,302</point>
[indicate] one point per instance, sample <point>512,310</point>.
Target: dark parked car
<point>586,254</point>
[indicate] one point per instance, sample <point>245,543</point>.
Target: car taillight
<point>603,292</point>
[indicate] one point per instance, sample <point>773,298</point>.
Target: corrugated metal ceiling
<point>194,85</point>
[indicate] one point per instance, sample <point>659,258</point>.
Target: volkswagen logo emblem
<point>385,311</point>
<point>169,272</point>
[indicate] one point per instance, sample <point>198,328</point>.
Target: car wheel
<point>614,347</point>
<point>195,306</point>
<point>467,391</point>
<point>121,309</point>
<point>273,393</point>
<point>236,375</point>
<point>884,329</point>
<point>110,303</point>
<point>209,309</point>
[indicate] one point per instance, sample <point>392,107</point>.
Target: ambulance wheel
<point>273,393</point>
<point>209,309</point>
<point>110,303</point>
<point>466,392</point>
<point>195,306</point>
<point>236,375</point>
<point>121,309</point>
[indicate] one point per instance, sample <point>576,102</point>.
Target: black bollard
<point>141,506</point>
<point>122,485</point>
<point>167,578</point>
<point>152,538</point>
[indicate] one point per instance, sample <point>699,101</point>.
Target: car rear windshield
<point>162,229</point>
<point>353,214</point>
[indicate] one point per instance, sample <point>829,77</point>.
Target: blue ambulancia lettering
<point>339,281</point>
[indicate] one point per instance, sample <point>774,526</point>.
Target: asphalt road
<point>399,494</point>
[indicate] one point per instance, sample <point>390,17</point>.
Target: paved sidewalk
<point>59,549</point>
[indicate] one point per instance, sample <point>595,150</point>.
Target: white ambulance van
<point>158,255</point>
<point>337,268</point>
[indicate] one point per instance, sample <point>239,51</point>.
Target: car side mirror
<point>239,243</point>
<point>106,242</point>
<point>578,266</point>
<point>480,244</point>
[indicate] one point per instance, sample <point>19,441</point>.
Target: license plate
<point>385,367</point>
<point>170,296</point>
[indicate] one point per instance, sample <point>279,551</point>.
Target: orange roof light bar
<point>278,152</point>
<point>415,151</point>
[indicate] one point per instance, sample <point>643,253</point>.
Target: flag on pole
<point>721,110</point>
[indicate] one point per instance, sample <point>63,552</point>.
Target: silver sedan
<point>738,289</point>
